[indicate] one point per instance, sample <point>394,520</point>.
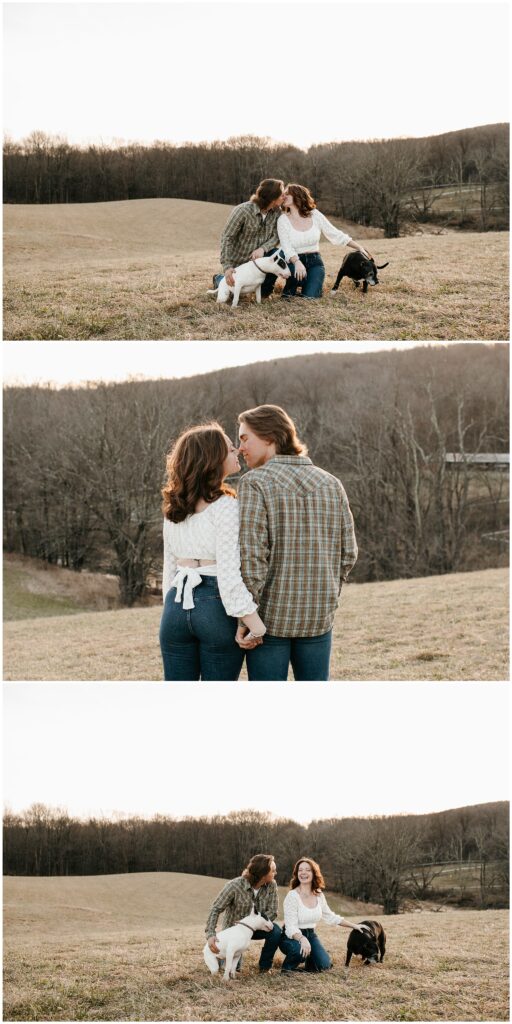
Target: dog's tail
<point>382,265</point>
<point>213,291</point>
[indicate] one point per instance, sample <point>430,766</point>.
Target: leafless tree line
<point>83,467</point>
<point>388,860</point>
<point>383,183</point>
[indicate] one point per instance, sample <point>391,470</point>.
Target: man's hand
<point>246,645</point>
<point>229,274</point>
<point>257,253</point>
<point>212,942</point>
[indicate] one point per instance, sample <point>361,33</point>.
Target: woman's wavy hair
<point>268,190</point>
<point>257,868</point>
<point>318,879</point>
<point>302,198</point>
<point>272,423</point>
<point>195,470</point>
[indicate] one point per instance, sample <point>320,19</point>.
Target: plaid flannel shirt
<point>245,231</point>
<point>297,544</point>
<point>236,899</point>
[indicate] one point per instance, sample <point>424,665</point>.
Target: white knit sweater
<point>210,534</point>
<point>295,242</point>
<point>298,916</point>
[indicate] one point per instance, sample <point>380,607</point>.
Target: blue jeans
<point>309,656</point>
<point>271,944</point>
<point>200,643</point>
<point>311,286</point>
<point>318,959</point>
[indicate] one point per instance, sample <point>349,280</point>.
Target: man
<point>256,887</point>
<point>251,232</point>
<point>297,546</point>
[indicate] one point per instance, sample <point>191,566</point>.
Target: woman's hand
<point>305,946</point>
<point>247,644</point>
<point>299,270</point>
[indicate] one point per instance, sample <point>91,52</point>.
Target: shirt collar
<point>294,460</point>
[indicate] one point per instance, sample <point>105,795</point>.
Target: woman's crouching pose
<point>304,906</point>
<point>204,594</point>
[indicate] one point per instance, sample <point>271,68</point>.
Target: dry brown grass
<point>140,269</point>
<point>124,948</point>
<point>437,627</point>
<point>33,588</point>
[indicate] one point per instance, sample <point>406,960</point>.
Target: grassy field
<point>129,947</point>
<point>140,269</point>
<point>437,627</point>
<point>35,589</point>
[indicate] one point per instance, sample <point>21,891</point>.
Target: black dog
<point>368,944</point>
<point>358,268</point>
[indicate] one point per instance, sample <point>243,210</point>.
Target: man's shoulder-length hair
<point>272,423</point>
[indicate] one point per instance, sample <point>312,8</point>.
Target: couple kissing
<point>258,575</point>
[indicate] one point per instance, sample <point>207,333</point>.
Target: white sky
<point>72,362</point>
<point>190,749</point>
<point>298,72</point>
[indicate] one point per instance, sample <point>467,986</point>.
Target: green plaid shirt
<point>236,899</point>
<point>297,544</point>
<point>245,231</point>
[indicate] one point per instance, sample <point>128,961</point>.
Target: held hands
<point>247,644</point>
<point>299,270</point>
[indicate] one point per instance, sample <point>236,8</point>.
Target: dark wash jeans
<point>318,959</point>
<point>309,656</point>
<point>311,285</point>
<point>200,643</point>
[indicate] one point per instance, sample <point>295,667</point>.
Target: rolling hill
<point>140,269</point>
<point>129,947</point>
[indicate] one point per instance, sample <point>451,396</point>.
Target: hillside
<point>129,947</point>
<point>47,908</point>
<point>33,589</point>
<point>436,627</point>
<point>141,268</point>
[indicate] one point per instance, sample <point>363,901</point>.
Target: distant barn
<point>480,460</point>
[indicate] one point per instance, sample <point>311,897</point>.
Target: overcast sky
<point>298,72</point>
<point>74,362</point>
<point>303,751</point>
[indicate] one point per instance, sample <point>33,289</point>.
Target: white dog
<point>249,277</point>
<point>232,942</point>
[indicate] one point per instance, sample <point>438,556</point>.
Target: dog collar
<point>261,272</point>
<point>246,926</point>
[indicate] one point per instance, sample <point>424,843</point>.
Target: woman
<point>299,228</point>
<point>203,590</point>
<point>304,906</point>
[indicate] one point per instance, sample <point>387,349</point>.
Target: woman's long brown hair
<point>302,198</point>
<point>195,470</point>
<point>318,879</point>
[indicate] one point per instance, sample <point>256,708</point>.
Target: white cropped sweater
<point>295,242</point>
<point>210,534</point>
<point>298,916</point>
